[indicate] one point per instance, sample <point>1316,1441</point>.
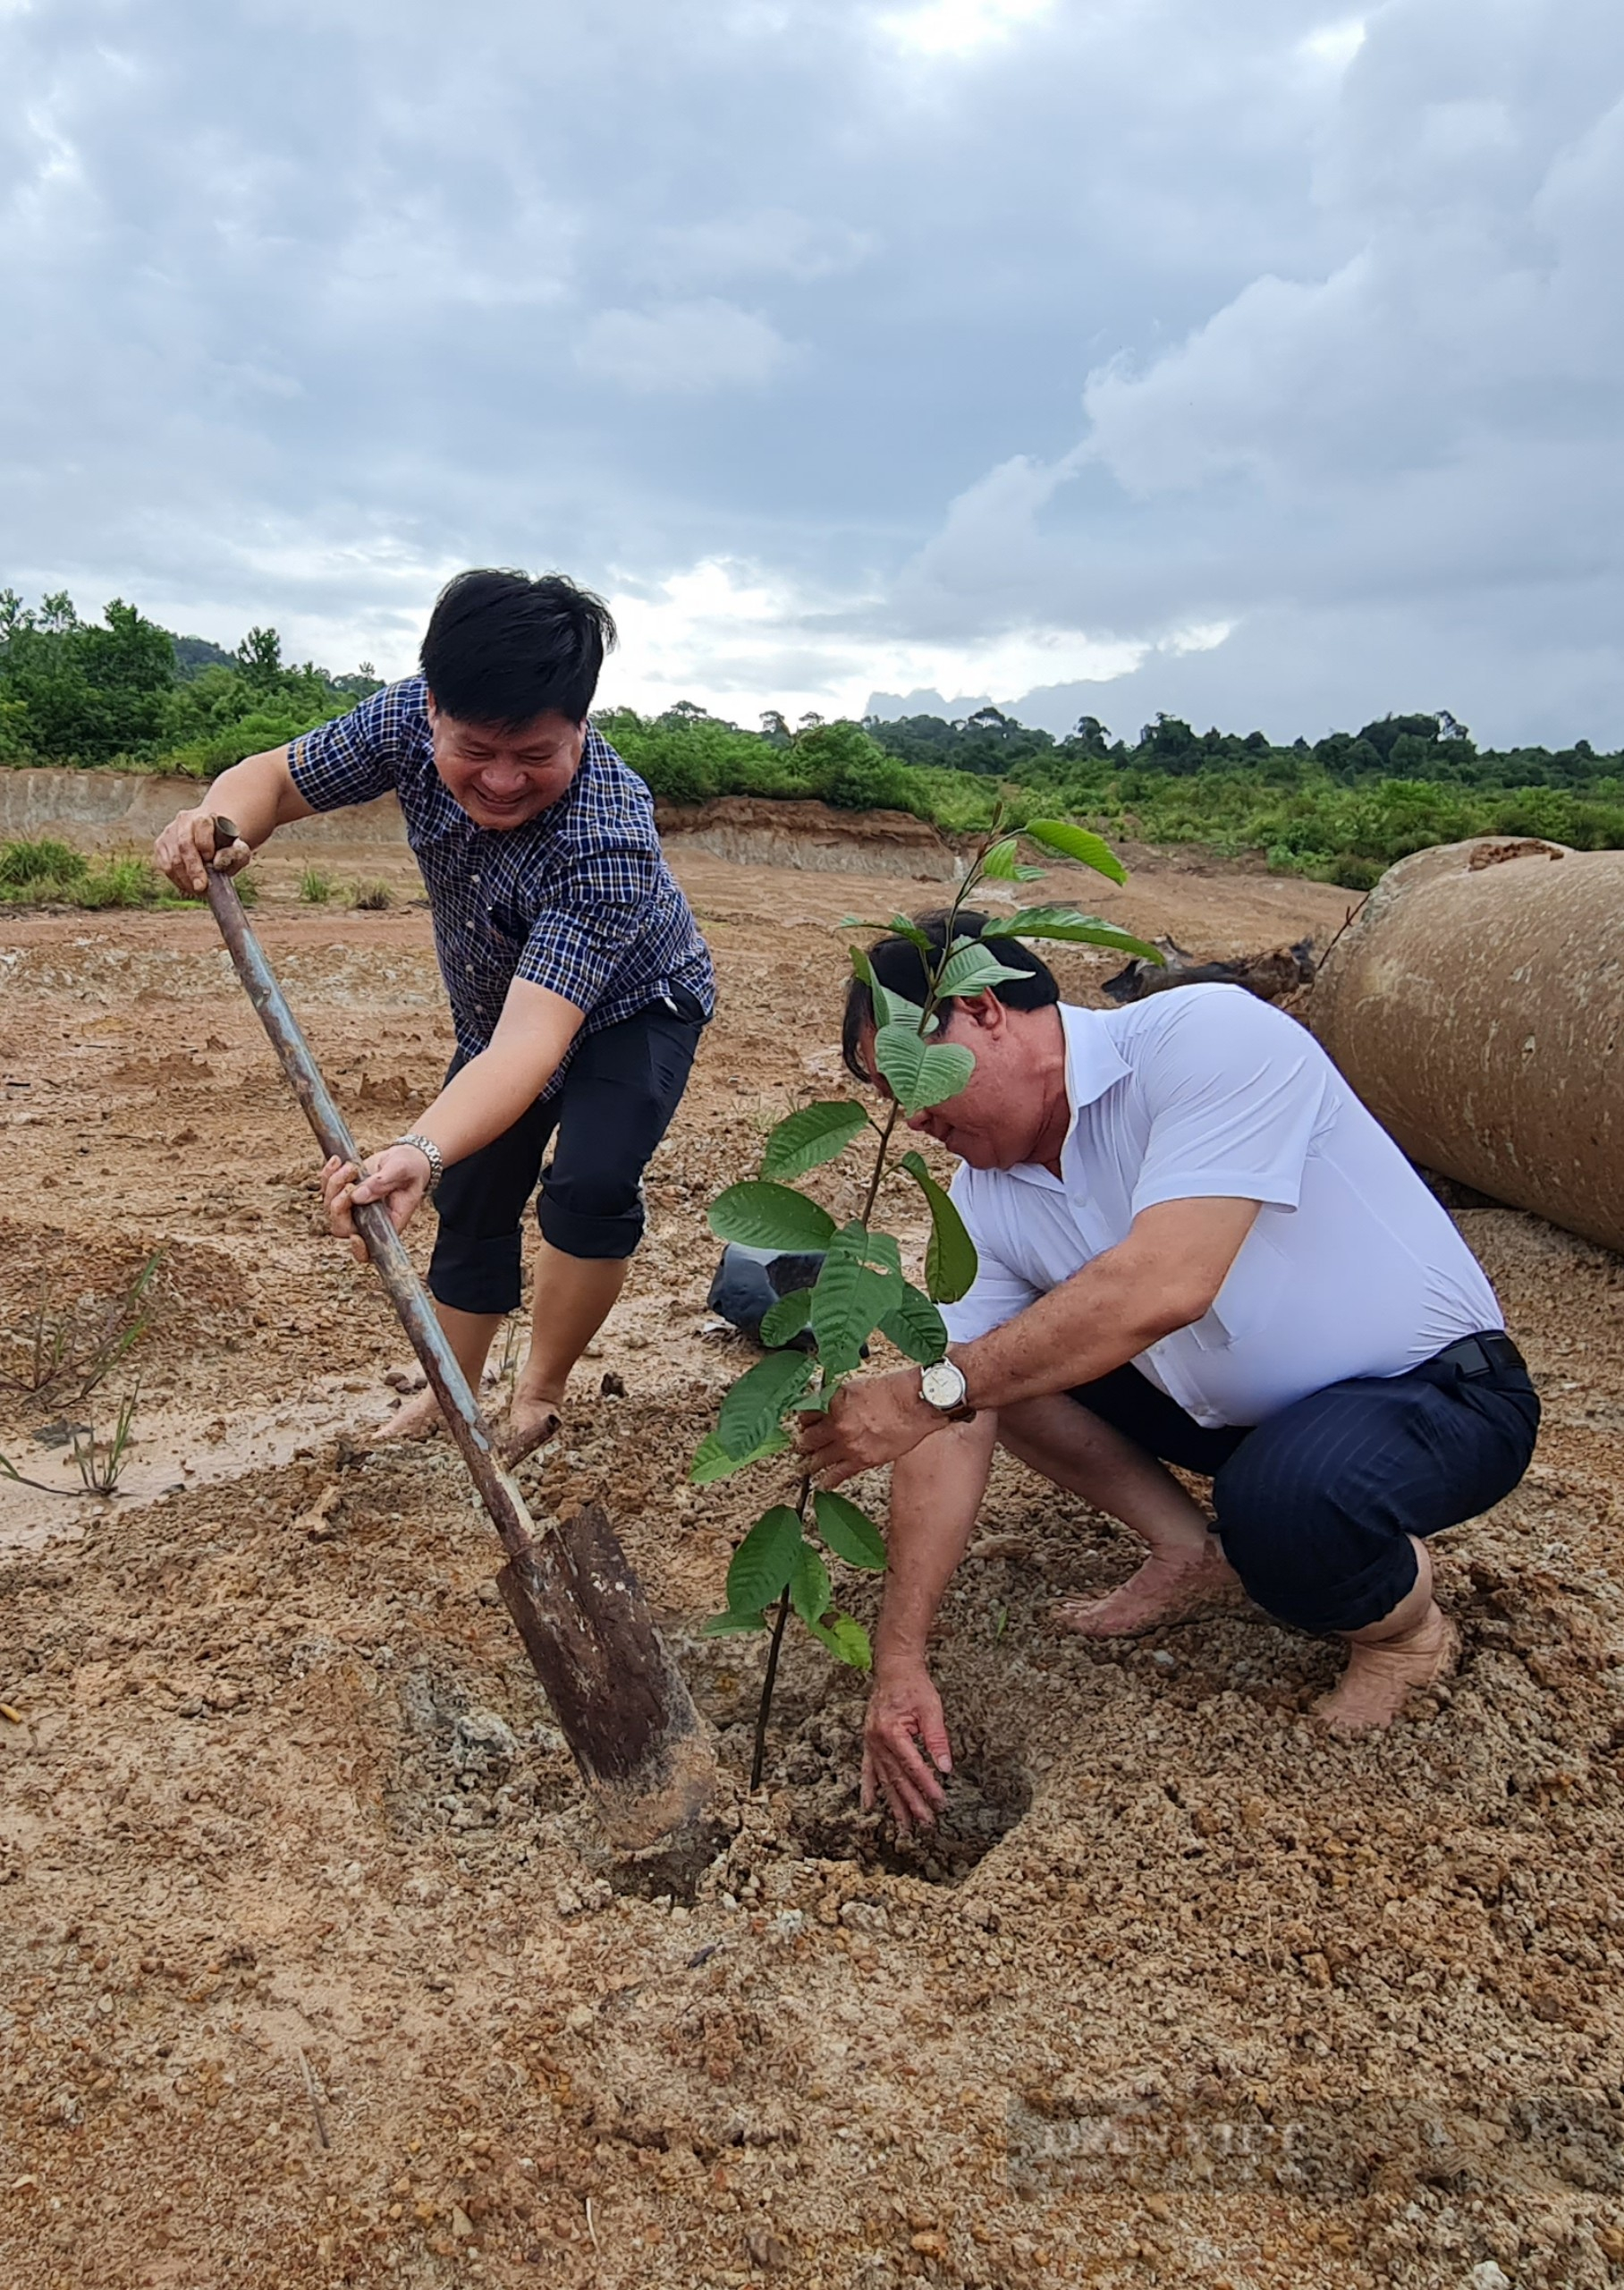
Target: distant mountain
<point>890,707</point>
<point>193,654</point>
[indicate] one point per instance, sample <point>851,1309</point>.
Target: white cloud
<point>736,640</point>
<point>960,27</point>
<point>681,348</point>
<point>775,319</point>
<point>1335,44</point>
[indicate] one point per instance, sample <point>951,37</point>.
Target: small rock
<point>767,2250</point>
<point>864,1916</point>
<point>581,2019</point>
<point>1488,2276</point>
<point>612,1387</point>
<point>461,2225</point>
<point>489,1595</point>
<point>480,1738</point>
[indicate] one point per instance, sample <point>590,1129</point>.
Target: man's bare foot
<point>415,1419</point>
<point>531,1420</point>
<point>1163,1591</point>
<point>1379,1680</point>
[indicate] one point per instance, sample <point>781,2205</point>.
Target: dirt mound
<point>751,831</point>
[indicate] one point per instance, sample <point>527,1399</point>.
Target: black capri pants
<point>619,1093</point>
<point>1315,1507</point>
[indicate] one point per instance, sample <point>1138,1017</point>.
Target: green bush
<point>43,861</point>
<point>46,872</point>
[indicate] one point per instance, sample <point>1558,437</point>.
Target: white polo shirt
<point>1352,1267</point>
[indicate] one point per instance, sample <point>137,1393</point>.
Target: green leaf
<point>1077,843</point>
<point>784,1321</point>
<point>917,1328</point>
<point>846,1640</point>
<point>1000,862</point>
<point>899,927</point>
<point>712,1462</point>
<point>889,1008</point>
<point>950,1258</point>
<point>921,1074</point>
<point>849,1533</point>
<point>813,1136</point>
<point>1078,929</point>
<point>769,1217</point>
<point>810,1589</point>
<point>725,1626</point>
<point>893,1009</point>
<point>849,1298</point>
<point>838,1300</point>
<point>764,1561</point>
<point>751,1410</point>
<point>971,968</point>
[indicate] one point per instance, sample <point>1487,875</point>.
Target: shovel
<point>643,1749</point>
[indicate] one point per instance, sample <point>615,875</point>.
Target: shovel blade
<point>645,1752</point>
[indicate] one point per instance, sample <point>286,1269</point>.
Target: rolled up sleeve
<point>353,759</point>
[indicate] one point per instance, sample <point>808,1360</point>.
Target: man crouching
<point>1196,1247</point>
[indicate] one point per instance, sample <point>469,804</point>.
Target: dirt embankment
<point>102,810</point>
<point>310,1975</point>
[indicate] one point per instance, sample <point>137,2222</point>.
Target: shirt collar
<point>1094,1065</point>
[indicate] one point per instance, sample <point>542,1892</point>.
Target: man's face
<point>1000,1118</point>
<point>505,778</point>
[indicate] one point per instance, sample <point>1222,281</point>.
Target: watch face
<point>942,1384</point>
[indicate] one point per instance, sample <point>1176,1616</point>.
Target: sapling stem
<point>764,1708</point>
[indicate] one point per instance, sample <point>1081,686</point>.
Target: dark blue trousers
<point>618,1095</point>
<point>1315,1507</point>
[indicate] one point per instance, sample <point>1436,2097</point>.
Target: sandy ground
<point>311,1971</point>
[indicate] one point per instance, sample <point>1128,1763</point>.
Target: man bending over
<point>1196,1247</point>
<point>578,982</point>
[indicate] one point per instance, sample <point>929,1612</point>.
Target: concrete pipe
<point>1476,1005</point>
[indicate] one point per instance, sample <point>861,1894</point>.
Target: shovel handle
<point>385,1246</point>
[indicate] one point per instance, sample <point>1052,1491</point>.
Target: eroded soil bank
<point>311,1973</point>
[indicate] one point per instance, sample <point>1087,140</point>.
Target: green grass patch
<point>42,871</point>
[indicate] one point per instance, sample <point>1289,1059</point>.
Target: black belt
<point>1481,1355</point>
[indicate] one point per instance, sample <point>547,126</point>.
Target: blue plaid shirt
<point>580,900</point>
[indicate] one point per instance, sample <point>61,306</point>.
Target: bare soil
<point>311,1970</point>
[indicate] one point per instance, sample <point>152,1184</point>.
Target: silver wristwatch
<point>942,1386</point>
<point>434,1156</point>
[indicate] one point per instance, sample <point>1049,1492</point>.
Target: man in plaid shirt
<point>578,982</point>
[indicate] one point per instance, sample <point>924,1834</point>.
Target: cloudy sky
<point>1255,361</point>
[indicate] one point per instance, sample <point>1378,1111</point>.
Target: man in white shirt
<point>1196,1247</point>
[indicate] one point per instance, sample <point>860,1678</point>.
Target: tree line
<point>128,693</point>
<point>125,692</point>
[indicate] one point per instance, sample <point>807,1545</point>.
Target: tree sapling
<point>783,1562</point>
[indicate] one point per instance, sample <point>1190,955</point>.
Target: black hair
<point>502,648</point>
<point>899,967</point>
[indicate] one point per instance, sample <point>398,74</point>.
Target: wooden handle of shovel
<point>385,1246</point>
<point>578,1608</point>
